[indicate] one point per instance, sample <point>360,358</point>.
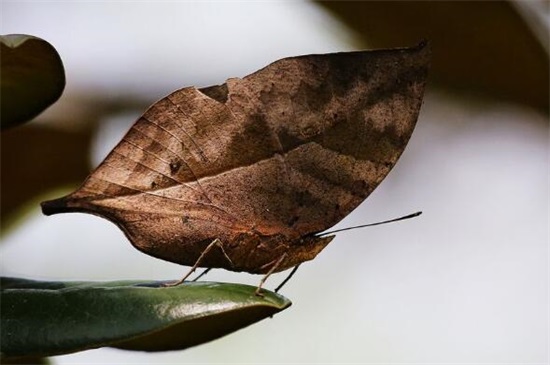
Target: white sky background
<point>467,282</point>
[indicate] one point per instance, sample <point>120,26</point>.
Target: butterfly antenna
<point>408,216</point>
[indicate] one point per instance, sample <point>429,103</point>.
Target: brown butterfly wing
<point>285,152</point>
<point>336,125</point>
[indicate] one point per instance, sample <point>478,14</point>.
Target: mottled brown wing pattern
<point>260,163</point>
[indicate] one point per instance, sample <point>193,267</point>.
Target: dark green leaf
<point>51,318</point>
<point>32,78</point>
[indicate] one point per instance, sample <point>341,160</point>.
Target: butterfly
<point>245,175</point>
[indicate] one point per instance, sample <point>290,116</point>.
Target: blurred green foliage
<point>32,78</point>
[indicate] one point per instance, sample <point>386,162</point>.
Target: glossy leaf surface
<point>52,318</point>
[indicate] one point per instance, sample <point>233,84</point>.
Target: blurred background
<point>467,282</point>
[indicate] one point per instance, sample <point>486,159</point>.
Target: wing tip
<point>55,206</point>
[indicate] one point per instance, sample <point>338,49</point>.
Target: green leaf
<point>32,78</point>
<point>52,318</point>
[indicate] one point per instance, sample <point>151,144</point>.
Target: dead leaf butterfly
<point>243,176</point>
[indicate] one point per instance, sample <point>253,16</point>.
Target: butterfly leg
<point>294,269</point>
<point>202,274</point>
<point>208,248</point>
<point>271,271</point>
